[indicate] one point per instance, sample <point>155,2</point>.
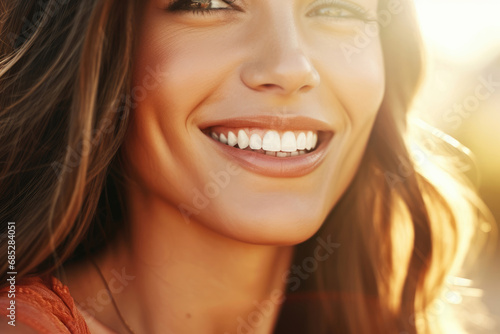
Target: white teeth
<point>309,140</point>
<point>288,142</point>
<point>271,141</point>
<point>255,142</point>
<point>223,139</point>
<point>242,139</point>
<point>288,145</point>
<point>301,141</point>
<point>231,139</point>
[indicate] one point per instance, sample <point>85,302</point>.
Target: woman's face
<point>252,116</point>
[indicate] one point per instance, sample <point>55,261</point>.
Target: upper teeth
<point>231,139</point>
<point>255,142</point>
<point>268,141</point>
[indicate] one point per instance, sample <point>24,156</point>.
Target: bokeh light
<point>461,96</point>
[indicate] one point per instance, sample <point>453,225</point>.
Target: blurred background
<point>461,96</point>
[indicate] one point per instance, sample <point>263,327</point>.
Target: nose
<point>279,64</point>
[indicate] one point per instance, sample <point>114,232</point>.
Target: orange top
<point>44,304</point>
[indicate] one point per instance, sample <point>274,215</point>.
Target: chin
<point>283,225</point>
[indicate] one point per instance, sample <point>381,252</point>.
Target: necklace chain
<point>112,299</point>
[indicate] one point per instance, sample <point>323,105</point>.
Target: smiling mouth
<point>285,146</point>
<point>277,143</point>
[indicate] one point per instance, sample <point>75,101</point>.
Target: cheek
<point>193,67</point>
<point>355,88</point>
<point>162,146</point>
<point>357,84</point>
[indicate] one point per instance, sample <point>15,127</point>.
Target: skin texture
<point>202,271</point>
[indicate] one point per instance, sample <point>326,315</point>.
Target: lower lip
<point>275,166</point>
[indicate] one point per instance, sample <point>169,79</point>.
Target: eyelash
<point>357,11</point>
<point>185,6</point>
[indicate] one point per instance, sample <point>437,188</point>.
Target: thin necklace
<point>111,297</point>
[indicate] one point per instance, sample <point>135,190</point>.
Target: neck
<point>185,278</point>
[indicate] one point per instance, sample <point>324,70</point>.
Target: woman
<point>226,166</point>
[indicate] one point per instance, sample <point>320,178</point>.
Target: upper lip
<point>282,122</point>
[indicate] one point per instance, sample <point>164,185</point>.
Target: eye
<point>200,6</point>
<point>338,9</point>
<point>330,11</point>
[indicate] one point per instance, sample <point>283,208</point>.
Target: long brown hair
<point>65,75</point>
<point>64,70</point>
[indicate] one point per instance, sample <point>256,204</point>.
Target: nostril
<point>306,88</point>
<point>270,87</point>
